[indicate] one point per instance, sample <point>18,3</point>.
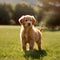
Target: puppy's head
<point>27,20</point>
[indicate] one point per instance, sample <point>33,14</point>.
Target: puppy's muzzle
<point>29,24</point>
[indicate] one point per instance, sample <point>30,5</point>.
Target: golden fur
<point>28,33</point>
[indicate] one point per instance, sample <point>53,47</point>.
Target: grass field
<point>10,48</point>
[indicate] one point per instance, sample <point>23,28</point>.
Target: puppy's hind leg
<point>39,44</point>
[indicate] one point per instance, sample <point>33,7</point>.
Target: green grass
<point>10,48</point>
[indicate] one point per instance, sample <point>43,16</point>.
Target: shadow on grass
<point>35,54</point>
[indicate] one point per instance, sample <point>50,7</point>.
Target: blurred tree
<point>53,21</point>
<point>40,15</point>
<point>10,10</point>
<point>51,4</point>
<point>4,14</point>
<point>22,9</point>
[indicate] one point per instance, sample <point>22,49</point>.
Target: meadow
<point>10,47</point>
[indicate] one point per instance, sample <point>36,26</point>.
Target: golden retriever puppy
<point>28,33</point>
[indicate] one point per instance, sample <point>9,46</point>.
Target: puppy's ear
<point>33,20</point>
<point>21,20</point>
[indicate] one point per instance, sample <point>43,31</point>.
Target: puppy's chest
<point>27,35</point>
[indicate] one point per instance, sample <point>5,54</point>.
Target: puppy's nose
<point>28,24</point>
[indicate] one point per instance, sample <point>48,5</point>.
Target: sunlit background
<point>47,12</point>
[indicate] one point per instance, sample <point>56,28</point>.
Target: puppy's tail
<point>40,28</point>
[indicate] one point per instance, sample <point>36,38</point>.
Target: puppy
<point>28,33</point>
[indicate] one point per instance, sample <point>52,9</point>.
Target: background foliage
<point>46,15</point>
